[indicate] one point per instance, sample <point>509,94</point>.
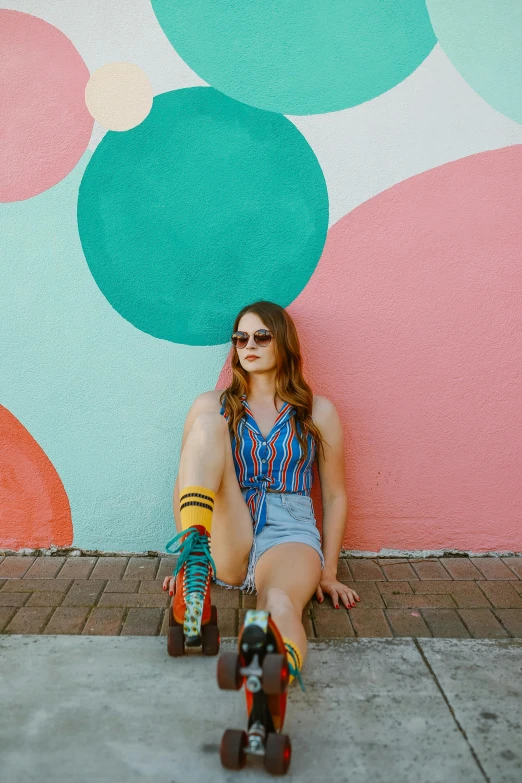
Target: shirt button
<point>263,460</point>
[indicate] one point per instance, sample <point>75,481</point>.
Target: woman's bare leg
<point>206,460</point>
<point>284,591</point>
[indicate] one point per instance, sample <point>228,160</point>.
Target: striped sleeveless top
<point>271,462</point>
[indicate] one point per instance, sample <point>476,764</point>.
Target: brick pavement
<point>458,597</point>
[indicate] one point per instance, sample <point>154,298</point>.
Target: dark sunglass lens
<point>263,338</point>
<point>239,339</point>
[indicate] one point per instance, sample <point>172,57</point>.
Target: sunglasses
<point>262,337</point>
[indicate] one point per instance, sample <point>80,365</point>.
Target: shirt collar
<point>285,413</point>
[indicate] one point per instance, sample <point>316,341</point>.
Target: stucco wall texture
<point>163,164</point>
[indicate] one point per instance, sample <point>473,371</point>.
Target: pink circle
<point>45,126</point>
<point>412,325</point>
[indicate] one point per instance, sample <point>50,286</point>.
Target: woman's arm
<point>334,499</point>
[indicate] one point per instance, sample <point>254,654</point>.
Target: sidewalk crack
<point>452,711</point>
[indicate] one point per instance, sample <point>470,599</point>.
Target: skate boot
<point>262,666</point>
<point>192,618</point>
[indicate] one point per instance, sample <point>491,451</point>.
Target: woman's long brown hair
<point>290,385</point>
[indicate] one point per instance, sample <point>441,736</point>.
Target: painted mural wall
<point>164,163</point>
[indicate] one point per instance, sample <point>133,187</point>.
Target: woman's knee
<point>209,425</point>
<point>276,599</point>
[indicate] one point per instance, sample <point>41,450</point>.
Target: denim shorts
<point>289,519</point>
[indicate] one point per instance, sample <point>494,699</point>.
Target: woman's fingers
<point>168,584</point>
<point>347,596</point>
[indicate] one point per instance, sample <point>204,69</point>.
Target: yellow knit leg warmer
<point>196,506</point>
<point>295,660</point>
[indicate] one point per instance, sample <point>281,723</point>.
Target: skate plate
<point>261,666</point>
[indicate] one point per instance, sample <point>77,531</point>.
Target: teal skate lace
<point>195,554</point>
<point>293,668</point>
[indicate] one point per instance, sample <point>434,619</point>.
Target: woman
<point>245,477</point>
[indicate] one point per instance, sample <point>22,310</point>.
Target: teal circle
<point>206,206</point>
<point>483,40</point>
<point>299,56</point>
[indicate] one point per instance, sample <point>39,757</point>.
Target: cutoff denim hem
<point>290,519</point>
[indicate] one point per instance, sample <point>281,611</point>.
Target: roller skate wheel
<point>228,672</point>
<point>232,749</point>
<point>278,753</point>
<point>210,636</point>
<point>176,641</point>
<point>275,673</point>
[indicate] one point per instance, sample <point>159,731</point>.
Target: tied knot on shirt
<point>259,484</point>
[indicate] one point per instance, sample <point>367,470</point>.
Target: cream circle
<point>119,96</point>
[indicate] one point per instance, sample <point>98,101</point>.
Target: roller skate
<point>262,666</point>
<point>192,618</point>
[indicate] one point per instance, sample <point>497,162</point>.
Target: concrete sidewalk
<point>108,709</point>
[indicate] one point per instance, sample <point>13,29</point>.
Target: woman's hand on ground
<point>169,583</point>
<point>336,590</point>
